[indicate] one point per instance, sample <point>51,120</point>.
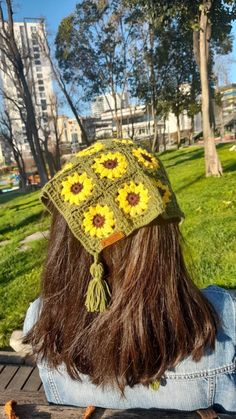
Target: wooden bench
<point>21,382</point>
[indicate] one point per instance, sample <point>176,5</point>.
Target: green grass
<point>209,204</point>
<point>20,216</point>
<point>209,232</point>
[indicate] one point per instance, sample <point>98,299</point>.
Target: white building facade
<point>106,103</point>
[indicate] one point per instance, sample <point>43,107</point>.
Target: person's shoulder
<point>224,303</point>
<point>32,315</point>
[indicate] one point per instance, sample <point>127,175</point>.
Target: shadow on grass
<point>9,196</point>
<point>194,155</point>
<point>21,263</point>
<point>231,167</point>
<point>24,205</point>
<point>186,185</point>
<point>28,220</point>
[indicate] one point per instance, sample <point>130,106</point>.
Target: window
<point>44,104</point>
<point>37,62</point>
<point>74,138</point>
<point>35,42</point>
<point>42,94</point>
<point>36,55</point>
<point>36,49</point>
<point>40,82</point>
<point>39,75</point>
<point>38,68</point>
<point>33,29</point>
<point>41,89</point>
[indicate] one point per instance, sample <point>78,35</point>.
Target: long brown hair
<point>155,318</point>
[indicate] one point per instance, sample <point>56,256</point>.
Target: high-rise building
<point>106,103</point>
<point>31,40</point>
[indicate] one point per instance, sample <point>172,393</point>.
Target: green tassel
<point>98,291</point>
<point>155,385</point>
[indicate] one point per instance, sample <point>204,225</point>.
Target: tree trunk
<point>118,133</point>
<point>212,162</point>
<point>32,130</point>
<point>191,130</point>
<point>57,154</point>
<point>164,134</point>
<point>178,131</point>
<point>49,157</point>
<point>155,143</point>
<point>21,166</point>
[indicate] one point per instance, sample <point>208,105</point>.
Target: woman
<point>119,322</point>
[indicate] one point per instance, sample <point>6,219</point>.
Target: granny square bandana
<point>105,193</point>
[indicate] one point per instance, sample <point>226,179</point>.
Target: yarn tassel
<point>98,291</point>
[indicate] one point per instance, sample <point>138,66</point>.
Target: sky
<point>54,10</point>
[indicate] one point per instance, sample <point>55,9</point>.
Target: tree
<point>62,85</point>
<point>179,79</point>
<point>7,135</point>
<point>10,50</point>
<point>143,78</point>
<point>211,22</point>
<point>91,48</point>
<point>52,135</point>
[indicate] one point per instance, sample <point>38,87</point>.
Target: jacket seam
<point>53,387</point>
<point>211,390</point>
<point>229,368</point>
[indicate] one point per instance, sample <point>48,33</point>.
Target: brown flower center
<point>147,158</point>
<point>133,198</point>
<point>110,164</point>
<point>98,220</point>
<point>76,188</point>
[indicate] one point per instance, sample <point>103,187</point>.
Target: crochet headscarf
<point>105,193</point>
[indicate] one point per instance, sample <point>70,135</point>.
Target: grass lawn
<point>209,232</point>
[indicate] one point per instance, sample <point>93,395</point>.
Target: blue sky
<point>54,10</point>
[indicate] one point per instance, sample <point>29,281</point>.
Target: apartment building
<point>30,37</point>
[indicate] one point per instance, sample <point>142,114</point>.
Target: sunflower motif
<point>164,191</point>
<point>76,188</point>
<point>124,141</point>
<point>133,198</point>
<point>99,221</point>
<point>145,158</point>
<point>110,165</point>
<point>90,150</point>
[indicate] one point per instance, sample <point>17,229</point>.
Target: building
<point>137,122</point>
<point>106,103</point>
<point>228,100</point>
<point>30,37</point>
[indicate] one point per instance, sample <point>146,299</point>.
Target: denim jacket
<point>189,386</point>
